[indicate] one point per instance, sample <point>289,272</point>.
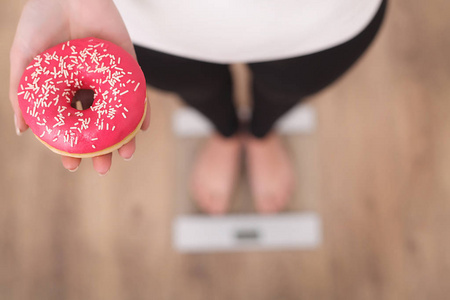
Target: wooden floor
<point>382,187</point>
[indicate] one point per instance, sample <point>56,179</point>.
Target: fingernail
<point>103,174</point>
<point>18,132</point>
<point>129,158</point>
<point>73,170</point>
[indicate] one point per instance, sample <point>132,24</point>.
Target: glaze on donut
<point>49,83</point>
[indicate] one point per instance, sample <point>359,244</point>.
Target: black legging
<point>277,85</point>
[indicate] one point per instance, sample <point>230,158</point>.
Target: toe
<point>283,199</point>
<point>217,204</point>
<point>199,195</point>
<point>266,204</point>
<point>280,203</point>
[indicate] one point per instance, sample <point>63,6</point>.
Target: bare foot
<point>271,173</point>
<point>215,172</point>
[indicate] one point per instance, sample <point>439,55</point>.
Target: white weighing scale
<point>243,229</point>
<point>287,231</point>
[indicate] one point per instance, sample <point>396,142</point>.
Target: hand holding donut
<point>46,23</point>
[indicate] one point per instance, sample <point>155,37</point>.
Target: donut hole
<point>83,99</point>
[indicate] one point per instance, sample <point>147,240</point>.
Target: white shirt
<point>230,31</point>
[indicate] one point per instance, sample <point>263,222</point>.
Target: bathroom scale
<point>242,229</point>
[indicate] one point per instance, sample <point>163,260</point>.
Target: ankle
<point>254,141</point>
<point>234,140</point>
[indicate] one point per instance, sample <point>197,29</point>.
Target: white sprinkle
<point>43,132</point>
<point>93,146</point>
<point>124,116</point>
<point>137,85</point>
<point>94,139</point>
<point>125,109</point>
<point>123,93</point>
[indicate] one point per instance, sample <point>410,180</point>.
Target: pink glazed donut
<point>48,86</point>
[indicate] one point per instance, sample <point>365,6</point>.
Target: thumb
<point>18,63</point>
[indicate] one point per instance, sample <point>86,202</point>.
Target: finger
<point>18,63</point>
<point>38,17</point>
<point>146,122</point>
<point>127,150</point>
<point>70,163</point>
<point>102,163</point>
